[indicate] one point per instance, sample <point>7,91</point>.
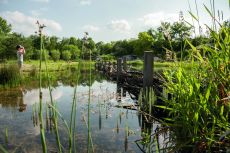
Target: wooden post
<point>119,68</point>
<point>124,64</point>
<point>148,69</point>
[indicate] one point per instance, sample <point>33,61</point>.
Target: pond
<point>113,129</point>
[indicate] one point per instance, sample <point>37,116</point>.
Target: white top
<point>20,54</point>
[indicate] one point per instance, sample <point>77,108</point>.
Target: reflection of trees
<point>150,140</point>
<point>12,98</point>
<point>67,77</point>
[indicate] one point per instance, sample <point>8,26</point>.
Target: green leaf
<point>209,12</point>
<point>208,92</point>
<point>193,16</point>
<point>164,107</point>
<point>2,149</point>
<point>221,110</point>
<point>196,116</point>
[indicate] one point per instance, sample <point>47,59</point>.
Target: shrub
<point>74,50</point>
<point>66,55</point>
<point>55,55</point>
<point>107,57</point>
<point>36,55</point>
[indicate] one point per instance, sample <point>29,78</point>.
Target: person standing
<point>20,52</point>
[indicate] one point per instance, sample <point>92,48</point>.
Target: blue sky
<point>105,20</point>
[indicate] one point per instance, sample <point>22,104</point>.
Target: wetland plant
<point>199,108</point>
<point>10,75</point>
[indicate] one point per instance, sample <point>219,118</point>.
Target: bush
<point>74,50</point>
<point>66,55</point>
<point>55,55</point>
<point>36,55</point>
<point>75,54</point>
<point>107,57</point>
<point>28,55</point>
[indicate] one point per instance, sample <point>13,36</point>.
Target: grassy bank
<point>139,64</point>
<point>32,65</point>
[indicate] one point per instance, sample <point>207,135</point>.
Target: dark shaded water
<point>108,123</point>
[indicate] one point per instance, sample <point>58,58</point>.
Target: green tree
<point>55,55</point>
<point>144,43</point>
<point>74,50</point>
<point>121,48</point>
<point>52,43</point>
<point>5,28</point>
<point>66,55</point>
<point>89,46</point>
<point>180,31</point>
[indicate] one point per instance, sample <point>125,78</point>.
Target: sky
<point>104,20</point>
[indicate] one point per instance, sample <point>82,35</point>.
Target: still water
<point>113,129</point>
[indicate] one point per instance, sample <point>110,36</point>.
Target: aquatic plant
<point>199,108</point>
<point>10,75</point>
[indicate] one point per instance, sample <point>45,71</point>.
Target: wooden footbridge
<point>133,80</point>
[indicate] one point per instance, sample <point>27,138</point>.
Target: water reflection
<point>113,128</point>
<point>13,99</point>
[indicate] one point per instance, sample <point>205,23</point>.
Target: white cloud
<point>122,26</point>
<point>43,1</point>
<point>85,2</point>
<point>27,25</point>
<point>91,28</point>
<point>155,19</point>
<point>36,13</point>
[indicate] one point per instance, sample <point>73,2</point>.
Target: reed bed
<point>10,75</point>
<point>199,108</point>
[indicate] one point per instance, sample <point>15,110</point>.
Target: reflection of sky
<point>98,90</point>
<point>102,116</point>
<point>33,96</point>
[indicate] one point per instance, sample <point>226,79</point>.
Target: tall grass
<point>90,147</point>
<point>10,75</point>
<point>71,127</point>
<point>55,118</point>
<point>200,108</point>
<point>42,131</point>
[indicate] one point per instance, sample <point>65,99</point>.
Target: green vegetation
<point>66,55</point>
<point>9,75</point>
<point>199,108</point>
<point>138,64</point>
<point>168,36</point>
<point>198,111</point>
<point>55,55</point>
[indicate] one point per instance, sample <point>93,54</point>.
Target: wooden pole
<point>124,64</point>
<point>119,68</point>
<point>148,69</point>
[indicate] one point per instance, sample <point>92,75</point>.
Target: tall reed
<point>199,108</point>
<point>90,142</point>
<point>42,131</point>
<point>10,75</point>
<point>55,117</point>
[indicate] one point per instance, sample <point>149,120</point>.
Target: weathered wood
<point>148,69</point>
<point>124,64</point>
<point>119,68</point>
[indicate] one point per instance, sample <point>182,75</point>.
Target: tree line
<point>168,36</point>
